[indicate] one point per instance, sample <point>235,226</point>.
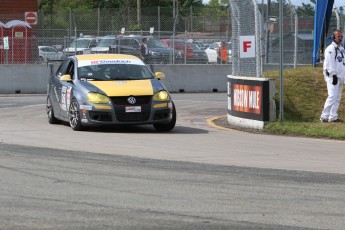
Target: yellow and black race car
<point>108,89</point>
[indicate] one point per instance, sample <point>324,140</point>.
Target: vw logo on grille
<point>131,100</point>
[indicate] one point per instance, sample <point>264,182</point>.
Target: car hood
<point>122,88</point>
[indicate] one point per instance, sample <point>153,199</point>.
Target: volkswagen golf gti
<point>108,89</point>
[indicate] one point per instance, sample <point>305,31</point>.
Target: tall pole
<point>281,19</point>
<point>139,12</point>
<point>267,29</point>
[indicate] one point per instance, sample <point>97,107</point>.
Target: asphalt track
<point>195,138</point>
<point>199,176</point>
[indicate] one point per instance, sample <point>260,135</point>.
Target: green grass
<point>305,93</point>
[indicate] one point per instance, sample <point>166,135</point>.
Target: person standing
<point>144,50</point>
<point>222,53</point>
<point>334,74</point>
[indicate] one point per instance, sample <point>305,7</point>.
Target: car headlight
<point>97,98</point>
<point>161,96</point>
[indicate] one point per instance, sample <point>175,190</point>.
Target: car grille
<point>140,100</point>
<point>120,104</point>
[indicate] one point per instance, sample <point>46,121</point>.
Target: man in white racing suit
<point>334,74</point>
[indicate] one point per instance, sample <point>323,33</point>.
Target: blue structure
<point>322,16</point>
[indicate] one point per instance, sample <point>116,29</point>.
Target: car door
<point>60,92</point>
<point>55,88</point>
<point>65,91</point>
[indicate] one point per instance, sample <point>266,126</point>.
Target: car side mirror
<point>66,77</point>
<point>160,75</point>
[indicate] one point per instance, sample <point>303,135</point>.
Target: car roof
<point>92,38</point>
<point>86,57</point>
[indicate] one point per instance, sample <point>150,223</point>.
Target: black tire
<point>74,116</point>
<point>50,112</point>
<point>167,126</point>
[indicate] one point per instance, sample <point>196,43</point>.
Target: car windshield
<point>80,43</point>
<point>229,46</point>
<point>106,42</point>
<point>109,72</point>
<point>155,43</point>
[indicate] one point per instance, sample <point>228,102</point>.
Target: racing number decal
<point>68,97</point>
<point>65,97</point>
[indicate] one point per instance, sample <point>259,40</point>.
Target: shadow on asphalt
<point>141,129</point>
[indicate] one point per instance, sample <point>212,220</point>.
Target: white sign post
<point>6,47</point>
<point>247,46</point>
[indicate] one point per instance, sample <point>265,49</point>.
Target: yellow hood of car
<point>124,88</point>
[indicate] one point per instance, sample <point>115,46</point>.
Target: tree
<point>305,10</point>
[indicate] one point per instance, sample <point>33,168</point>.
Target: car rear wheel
<point>74,116</point>
<point>167,126</point>
<point>50,112</point>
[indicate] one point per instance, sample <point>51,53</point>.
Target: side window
<point>124,42</point>
<point>93,43</point>
<point>135,44</point>
<point>62,69</point>
<point>70,69</point>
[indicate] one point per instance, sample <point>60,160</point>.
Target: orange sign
<point>247,98</point>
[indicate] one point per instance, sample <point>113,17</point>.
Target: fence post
<point>70,23</point>
<point>98,20</point>
<point>159,22</point>
<point>191,18</point>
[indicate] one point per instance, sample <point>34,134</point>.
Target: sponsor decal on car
<point>110,62</point>
<point>133,109</point>
<point>65,97</point>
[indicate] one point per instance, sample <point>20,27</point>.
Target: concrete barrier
<point>29,78</point>
<point>33,78</point>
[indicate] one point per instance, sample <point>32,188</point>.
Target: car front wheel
<point>74,116</point>
<point>50,112</point>
<point>166,127</point>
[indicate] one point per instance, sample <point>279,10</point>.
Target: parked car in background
<point>81,46</point>
<point>47,53</point>
<point>104,44</point>
<point>162,54</point>
<point>212,50</point>
<point>159,53</point>
<point>191,53</point>
<point>126,45</point>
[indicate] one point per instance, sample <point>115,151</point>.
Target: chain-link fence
<point>178,30</point>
